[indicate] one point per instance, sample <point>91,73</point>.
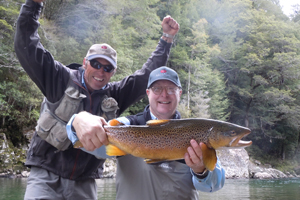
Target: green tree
<point>19,98</point>
<point>260,60</point>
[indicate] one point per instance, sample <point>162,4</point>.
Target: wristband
<point>202,175</point>
<point>168,35</point>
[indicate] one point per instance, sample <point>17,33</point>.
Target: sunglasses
<point>170,90</point>
<point>96,65</point>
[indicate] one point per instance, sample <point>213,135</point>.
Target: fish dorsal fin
<point>157,122</point>
<point>115,122</point>
<point>209,157</point>
<point>112,150</point>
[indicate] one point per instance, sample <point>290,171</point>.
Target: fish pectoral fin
<point>115,122</point>
<point>209,157</point>
<point>112,150</point>
<point>150,161</point>
<point>157,122</point>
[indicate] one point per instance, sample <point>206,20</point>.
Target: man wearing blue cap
<point>58,171</point>
<point>170,180</point>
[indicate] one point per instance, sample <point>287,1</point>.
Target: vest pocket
<point>70,104</point>
<point>53,131</point>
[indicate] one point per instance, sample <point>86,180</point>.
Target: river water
<point>234,189</point>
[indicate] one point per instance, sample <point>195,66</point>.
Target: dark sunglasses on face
<point>97,65</point>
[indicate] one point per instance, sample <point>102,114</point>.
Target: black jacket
<point>52,78</point>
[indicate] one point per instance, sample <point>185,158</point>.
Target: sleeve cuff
<point>162,41</point>
<point>70,131</point>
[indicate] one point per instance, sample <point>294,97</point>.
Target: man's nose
<point>164,92</point>
<point>101,70</point>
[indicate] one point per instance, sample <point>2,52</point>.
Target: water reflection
<point>106,189</point>
<point>234,189</point>
<point>275,189</point>
<point>12,188</point>
<point>245,189</point>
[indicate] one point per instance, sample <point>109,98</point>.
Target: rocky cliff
<point>237,164</point>
<point>11,159</point>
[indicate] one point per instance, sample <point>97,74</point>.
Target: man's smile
<point>164,102</point>
<point>98,79</point>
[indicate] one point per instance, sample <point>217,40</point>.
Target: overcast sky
<point>287,5</point>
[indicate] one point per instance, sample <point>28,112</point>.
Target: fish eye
<point>232,133</point>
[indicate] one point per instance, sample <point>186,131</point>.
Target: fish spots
<point>171,139</point>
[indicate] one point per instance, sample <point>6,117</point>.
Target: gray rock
<point>262,175</point>
<point>110,168</point>
<point>235,162</point>
<point>257,162</point>
<point>264,172</point>
<point>25,174</point>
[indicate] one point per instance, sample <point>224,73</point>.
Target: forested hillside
<point>238,61</point>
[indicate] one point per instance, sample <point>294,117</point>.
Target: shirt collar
<point>152,116</point>
<point>176,116</point>
<point>82,79</point>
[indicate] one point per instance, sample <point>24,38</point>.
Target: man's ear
<point>84,63</point>
<point>180,93</point>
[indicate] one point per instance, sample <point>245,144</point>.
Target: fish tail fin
<point>112,150</point>
<point>209,157</point>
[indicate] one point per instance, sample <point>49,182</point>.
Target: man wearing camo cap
<point>59,171</point>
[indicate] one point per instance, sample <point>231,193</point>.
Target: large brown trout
<point>161,140</point>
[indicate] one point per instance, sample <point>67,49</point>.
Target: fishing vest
<point>135,179</point>
<point>54,117</point>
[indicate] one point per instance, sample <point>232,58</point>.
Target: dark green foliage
<point>19,98</point>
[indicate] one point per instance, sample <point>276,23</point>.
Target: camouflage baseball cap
<point>164,73</point>
<point>102,51</point>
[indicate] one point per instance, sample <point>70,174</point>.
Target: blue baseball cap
<point>164,73</point>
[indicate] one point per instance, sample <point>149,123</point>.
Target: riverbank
<point>236,163</point>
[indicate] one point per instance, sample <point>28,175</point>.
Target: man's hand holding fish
<point>193,158</point>
<point>90,131</point>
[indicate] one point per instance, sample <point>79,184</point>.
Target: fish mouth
<point>239,143</point>
<point>242,144</point>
